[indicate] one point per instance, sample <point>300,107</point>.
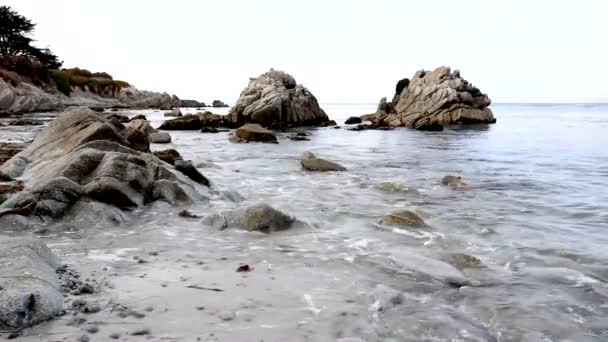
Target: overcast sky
<point>342,50</point>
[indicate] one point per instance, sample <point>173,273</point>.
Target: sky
<point>342,51</point>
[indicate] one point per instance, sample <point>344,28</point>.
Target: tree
<point>14,39</point>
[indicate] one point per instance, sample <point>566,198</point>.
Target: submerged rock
<point>168,156</point>
<point>433,99</point>
<point>463,261</point>
<point>393,187</point>
<point>195,122</point>
<point>29,286</point>
<point>174,113</point>
<point>160,138</point>
<point>254,132</point>
<point>453,181</point>
<point>258,217</point>
<point>188,169</point>
<point>274,99</point>
<point>352,120</point>
<point>311,163</point>
<point>82,156</point>
<point>403,218</point>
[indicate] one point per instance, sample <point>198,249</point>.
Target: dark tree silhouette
<point>14,39</point>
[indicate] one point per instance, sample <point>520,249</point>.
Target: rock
<point>209,130</point>
<point>352,120</point>
<point>330,123</point>
<point>168,156</point>
<point>218,104</point>
<point>274,99</point>
<point>190,104</point>
<point>431,100</point>
<point>367,117</point>
<point>187,214</point>
<point>392,187</point>
<point>82,156</point>
<point>139,117</point>
<point>298,138</point>
<point>403,218</point>
<point>139,332</point>
<point>311,163</point>
<point>453,181</point>
<point>259,217</point>
<point>28,285</point>
<point>141,125</point>
<point>186,122</point>
<point>119,118</point>
<point>463,261</point>
<point>254,132</point>
<point>174,113</point>
<point>189,170</point>
<point>160,138</point>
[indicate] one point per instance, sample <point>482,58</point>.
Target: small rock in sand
<point>83,338</point>
<point>227,315</point>
<point>92,329</point>
<point>115,336</point>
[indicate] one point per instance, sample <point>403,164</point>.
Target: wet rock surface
<point>310,162</point>
<point>259,217</point>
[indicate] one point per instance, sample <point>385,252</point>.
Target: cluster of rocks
<point>432,100</point>
<point>86,160</point>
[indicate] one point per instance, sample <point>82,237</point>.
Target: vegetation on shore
<point>22,62</point>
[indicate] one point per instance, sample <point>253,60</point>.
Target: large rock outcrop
<point>274,99</point>
<point>432,100</point>
<point>29,287</point>
<point>82,156</point>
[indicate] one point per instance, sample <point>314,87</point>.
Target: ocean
<point>517,253</point>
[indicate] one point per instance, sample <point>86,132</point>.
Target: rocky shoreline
<point>87,169</point>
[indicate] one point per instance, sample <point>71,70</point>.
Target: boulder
<point>453,181</point>
<point>29,286</point>
<point>138,117</point>
<point>187,168</point>
<point>353,120</point>
<point>160,138</point>
<point>195,122</point>
<point>83,156</point>
<point>254,132</point>
<point>174,113</point>
<point>274,99</point>
<point>258,217</point>
<point>218,104</point>
<point>434,99</point>
<point>141,125</point>
<point>403,218</point>
<point>311,163</point>
<point>329,123</point>
<point>168,156</point>
<point>190,104</point>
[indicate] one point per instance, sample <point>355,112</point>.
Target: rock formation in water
<point>195,122</point>
<point>84,157</point>
<point>274,99</point>
<point>253,133</point>
<point>218,104</point>
<point>310,162</point>
<point>432,100</point>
